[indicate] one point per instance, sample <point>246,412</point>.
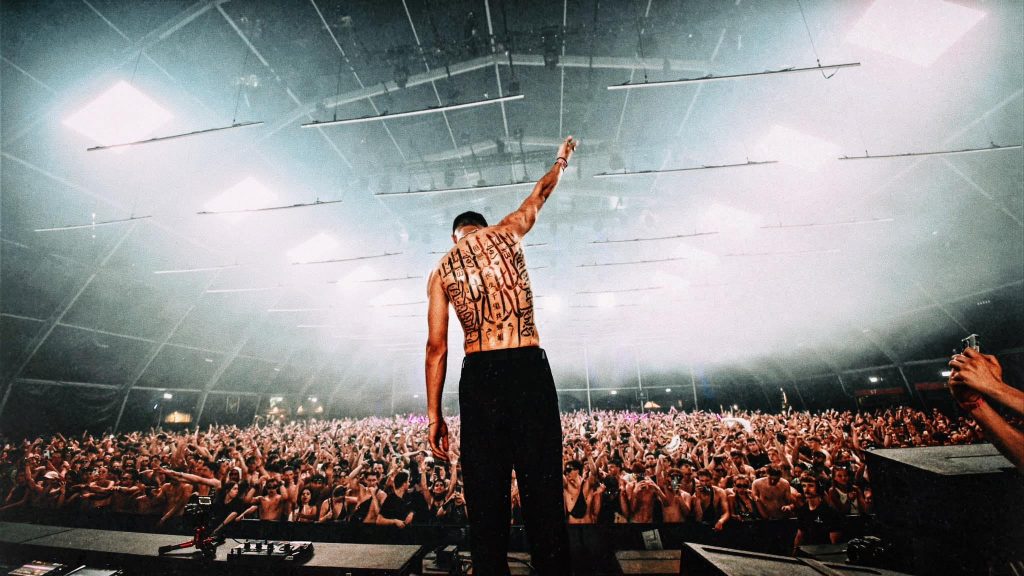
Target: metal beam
<point>610,62</point>
<point>287,89</point>
<point>884,348</point>
<point>56,318</point>
<point>235,351</point>
<point>154,351</point>
<point>324,363</point>
<point>305,110</point>
<point>130,337</point>
<point>108,386</point>
<point>46,382</point>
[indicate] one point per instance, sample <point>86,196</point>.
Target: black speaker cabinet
<point>956,509</point>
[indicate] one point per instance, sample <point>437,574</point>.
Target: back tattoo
<point>485,279</point>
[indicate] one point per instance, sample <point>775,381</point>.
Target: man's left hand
<point>437,434</point>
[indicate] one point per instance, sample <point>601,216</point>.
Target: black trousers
<point>510,420</point>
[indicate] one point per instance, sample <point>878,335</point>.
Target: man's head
<point>400,479</point>
<point>573,466</point>
<point>467,219</point>
<point>615,466</point>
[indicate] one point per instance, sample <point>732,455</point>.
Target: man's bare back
<point>484,277</point>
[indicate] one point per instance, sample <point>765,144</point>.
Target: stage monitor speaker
<point>956,509</point>
<point>705,560</point>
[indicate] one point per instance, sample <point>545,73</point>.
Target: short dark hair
<point>401,478</point>
<point>469,219</point>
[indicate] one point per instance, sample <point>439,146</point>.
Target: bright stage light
<point>121,114</point>
<point>606,300</point>
<point>873,379</point>
<point>668,389</point>
<point>797,149</point>
<point>246,195</point>
<point>915,30</point>
<point>946,373</point>
<point>614,392</point>
<point>168,396</point>
<point>319,247</point>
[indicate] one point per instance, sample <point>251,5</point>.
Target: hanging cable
<point>241,82</point>
<point>811,39</point>
<point>640,39</point>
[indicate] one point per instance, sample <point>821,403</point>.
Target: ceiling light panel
<point>121,114</point>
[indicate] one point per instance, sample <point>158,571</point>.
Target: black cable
<point>520,560</point>
<point>640,39</point>
<point>508,44</point>
<point>241,82</point>
<point>813,49</point>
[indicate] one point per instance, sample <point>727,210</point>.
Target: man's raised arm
<point>523,219</point>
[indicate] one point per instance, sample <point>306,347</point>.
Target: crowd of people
<point>716,469</point>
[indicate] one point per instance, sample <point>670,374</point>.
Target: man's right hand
<point>567,147</point>
<point>437,435</point>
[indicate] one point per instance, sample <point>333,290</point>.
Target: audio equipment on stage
<point>264,552</point>
<point>40,568</point>
<point>704,560</point>
<point>953,509</point>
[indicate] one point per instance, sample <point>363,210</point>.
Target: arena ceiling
<point>806,267</point>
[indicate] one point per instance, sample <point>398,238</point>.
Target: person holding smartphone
<point>977,379</point>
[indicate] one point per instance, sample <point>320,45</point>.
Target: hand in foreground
<point>437,435</point>
<point>981,372</point>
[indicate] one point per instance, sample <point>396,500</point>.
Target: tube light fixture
<point>203,269</point>
<point>268,208</point>
<point>93,224</point>
<point>713,78</point>
<point>464,189</point>
<point>173,136</point>
<point>991,148</point>
<point>669,170</point>
<point>410,113</point>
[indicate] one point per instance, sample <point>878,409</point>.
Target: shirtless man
<point>642,496</point>
<point>273,503</point>
<point>712,501</point>
<point>770,494</point>
<point>203,481</point>
<point>506,394</point>
<point>676,505</point>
